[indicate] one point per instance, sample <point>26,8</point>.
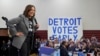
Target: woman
<point>22,29</point>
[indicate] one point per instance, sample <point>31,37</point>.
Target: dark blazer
<point>19,24</point>
<point>63,51</point>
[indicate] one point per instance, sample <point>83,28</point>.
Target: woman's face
<point>31,12</point>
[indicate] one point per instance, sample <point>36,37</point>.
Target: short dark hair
<point>63,43</point>
<point>27,9</point>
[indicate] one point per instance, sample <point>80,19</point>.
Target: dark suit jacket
<point>63,51</point>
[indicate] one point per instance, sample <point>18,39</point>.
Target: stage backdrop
<point>65,28</point>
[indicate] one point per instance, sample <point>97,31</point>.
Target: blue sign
<point>65,28</point>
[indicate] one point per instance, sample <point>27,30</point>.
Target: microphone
<point>4,18</point>
<point>35,21</point>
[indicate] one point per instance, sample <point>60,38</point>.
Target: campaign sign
<point>65,28</point>
<point>46,51</point>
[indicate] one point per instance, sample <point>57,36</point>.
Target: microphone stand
<point>9,45</point>
<point>6,20</point>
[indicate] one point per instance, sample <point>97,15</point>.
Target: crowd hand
<point>19,34</point>
<point>99,49</point>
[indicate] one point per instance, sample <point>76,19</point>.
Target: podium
<point>4,32</point>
